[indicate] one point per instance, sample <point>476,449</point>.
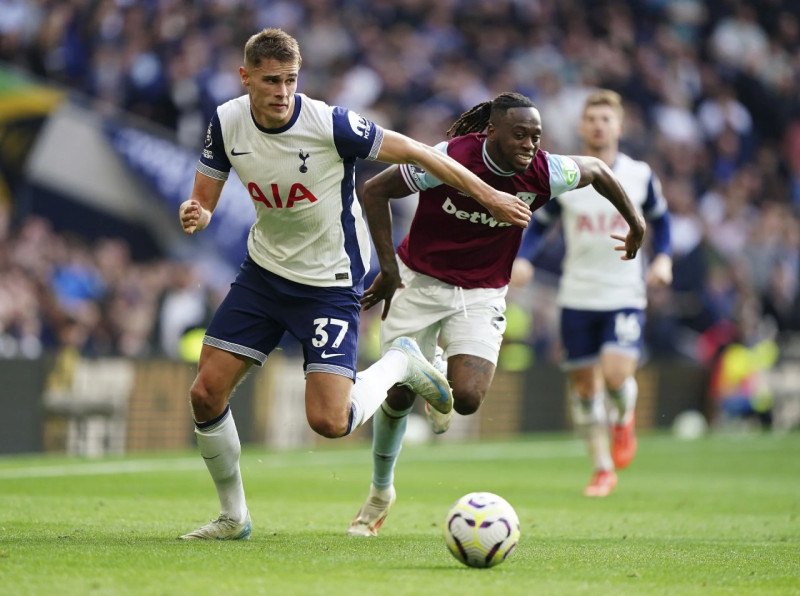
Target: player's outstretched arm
<point>659,273</point>
<point>600,176</point>
<point>375,197</point>
<point>195,212</point>
<point>521,273</point>
<point>397,148</point>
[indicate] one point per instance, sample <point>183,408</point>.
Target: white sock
<point>590,417</point>
<point>220,447</point>
<point>388,430</point>
<point>369,390</point>
<point>624,399</point>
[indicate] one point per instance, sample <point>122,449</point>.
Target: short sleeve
<point>417,178</point>
<point>354,135</point>
<point>655,205</point>
<point>565,174</point>
<point>214,163</point>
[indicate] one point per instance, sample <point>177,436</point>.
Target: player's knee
<point>614,380</point>
<point>400,398</point>
<point>467,401</point>
<point>585,387</point>
<point>205,404</point>
<point>328,427</point>
<point>586,411</point>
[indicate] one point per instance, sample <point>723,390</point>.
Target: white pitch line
<point>103,468</point>
<point>437,453</point>
<point>275,460</point>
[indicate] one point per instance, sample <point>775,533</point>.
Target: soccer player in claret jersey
<point>602,299</point>
<point>307,255</point>
<point>450,281</point>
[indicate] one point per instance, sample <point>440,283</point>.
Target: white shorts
<point>432,311</point>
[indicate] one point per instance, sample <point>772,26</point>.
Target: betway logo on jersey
<point>479,217</point>
<point>476,217</point>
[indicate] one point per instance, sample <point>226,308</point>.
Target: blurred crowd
<point>59,290</point>
<point>712,103</point>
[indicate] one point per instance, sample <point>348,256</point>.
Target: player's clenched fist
<point>193,217</point>
<point>509,209</point>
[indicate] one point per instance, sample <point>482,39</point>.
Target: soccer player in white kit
<point>448,282</point>
<point>307,255</point>
<point>602,299</point>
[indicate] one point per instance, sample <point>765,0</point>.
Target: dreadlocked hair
<point>477,118</point>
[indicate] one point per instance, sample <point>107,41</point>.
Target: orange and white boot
<point>623,443</point>
<point>601,484</point>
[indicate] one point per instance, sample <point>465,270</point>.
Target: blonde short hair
<point>272,44</point>
<point>605,97</point>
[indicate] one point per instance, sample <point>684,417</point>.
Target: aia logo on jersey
<point>359,124</point>
<point>601,223</point>
<point>297,193</point>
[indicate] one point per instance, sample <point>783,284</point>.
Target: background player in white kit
<point>307,255</point>
<point>449,280</point>
<point>602,299</point>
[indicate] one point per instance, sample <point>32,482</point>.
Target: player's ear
<point>244,76</point>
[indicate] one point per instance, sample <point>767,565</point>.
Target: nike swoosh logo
<point>234,152</point>
<point>215,457</point>
<point>443,397</point>
<point>324,355</point>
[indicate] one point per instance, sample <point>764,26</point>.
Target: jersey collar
<point>295,114</point>
<point>493,167</point>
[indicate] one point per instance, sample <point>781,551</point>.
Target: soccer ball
<point>481,529</point>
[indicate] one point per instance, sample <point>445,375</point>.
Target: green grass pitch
<point>720,515</point>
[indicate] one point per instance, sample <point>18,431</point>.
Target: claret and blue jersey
<point>453,237</point>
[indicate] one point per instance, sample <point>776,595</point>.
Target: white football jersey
<point>309,226</point>
<point>594,277</point>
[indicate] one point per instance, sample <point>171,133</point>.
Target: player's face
<point>513,140</point>
<point>271,86</point>
<point>600,127</point>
